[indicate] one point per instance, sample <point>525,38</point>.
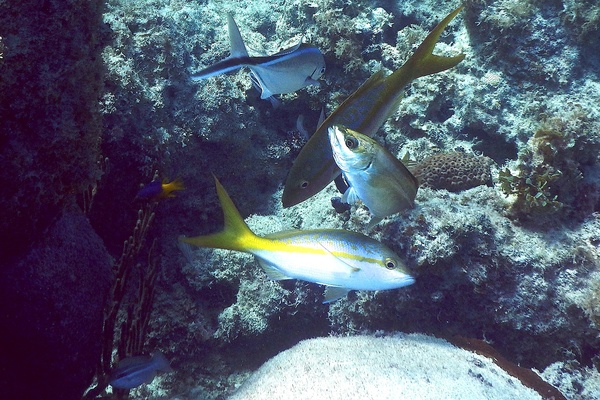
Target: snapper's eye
<point>304,184</point>
<point>351,142</point>
<point>390,263</point>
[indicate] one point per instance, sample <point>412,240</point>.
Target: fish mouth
<point>336,137</point>
<point>405,281</point>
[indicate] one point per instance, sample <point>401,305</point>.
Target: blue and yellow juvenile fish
<point>339,259</point>
<point>284,72</point>
<point>158,190</point>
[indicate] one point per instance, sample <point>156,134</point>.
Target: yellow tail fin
<point>423,62</point>
<point>235,235</point>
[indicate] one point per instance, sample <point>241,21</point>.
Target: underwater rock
<point>50,124</point>
<point>411,366</point>
<point>52,304</point>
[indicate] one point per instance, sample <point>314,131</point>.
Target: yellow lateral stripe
<point>258,243</point>
<point>236,235</point>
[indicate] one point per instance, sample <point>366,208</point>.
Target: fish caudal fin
<point>160,362</point>
<point>235,235</point>
<point>238,48</point>
<point>423,62</point>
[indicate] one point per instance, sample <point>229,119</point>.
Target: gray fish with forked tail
<point>132,372</point>
<point>284,72</point>
<point>375,176</point>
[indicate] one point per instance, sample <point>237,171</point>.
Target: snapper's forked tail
<point>423,61</point>
<point>236,235</point>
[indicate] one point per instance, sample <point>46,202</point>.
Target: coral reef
<point>556,171</point>
<point>514,263</point>
<point>479,271</point>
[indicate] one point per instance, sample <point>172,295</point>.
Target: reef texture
<point>515,263</point>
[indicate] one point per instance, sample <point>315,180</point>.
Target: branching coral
<point>532,189</point>
<point>551,170</point>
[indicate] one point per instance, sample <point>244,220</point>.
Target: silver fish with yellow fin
<point>364,111</point>
<point>375,176</point>
<point>339,259</point>
<point>284,72</point>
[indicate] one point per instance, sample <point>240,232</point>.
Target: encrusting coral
<point>453,171</point>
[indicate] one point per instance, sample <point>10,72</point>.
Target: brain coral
<point>453,171</point>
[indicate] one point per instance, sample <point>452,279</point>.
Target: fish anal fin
<point>272,272</point>
<point>374,221</point>
<point>333,293</point>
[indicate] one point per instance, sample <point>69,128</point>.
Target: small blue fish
<point>132,372</point>
<point>284,72</point>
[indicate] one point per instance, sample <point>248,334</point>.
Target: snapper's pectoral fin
<point>333,293</point>
<point>310,81</point>
<point>351,268</point>
<point>350,196</point>
<point>272,272</point>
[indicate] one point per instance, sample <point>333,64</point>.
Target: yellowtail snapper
<point>375,176</point>
<point>284,72</point>
<point>364,111</point>
<point>339,259</point>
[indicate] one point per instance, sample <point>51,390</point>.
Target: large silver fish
<point>375,176</point>
<point>284,72</point>
<point>339,259</point>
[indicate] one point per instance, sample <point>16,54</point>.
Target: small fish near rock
<point>132,372</point>
<point>284,72</point>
